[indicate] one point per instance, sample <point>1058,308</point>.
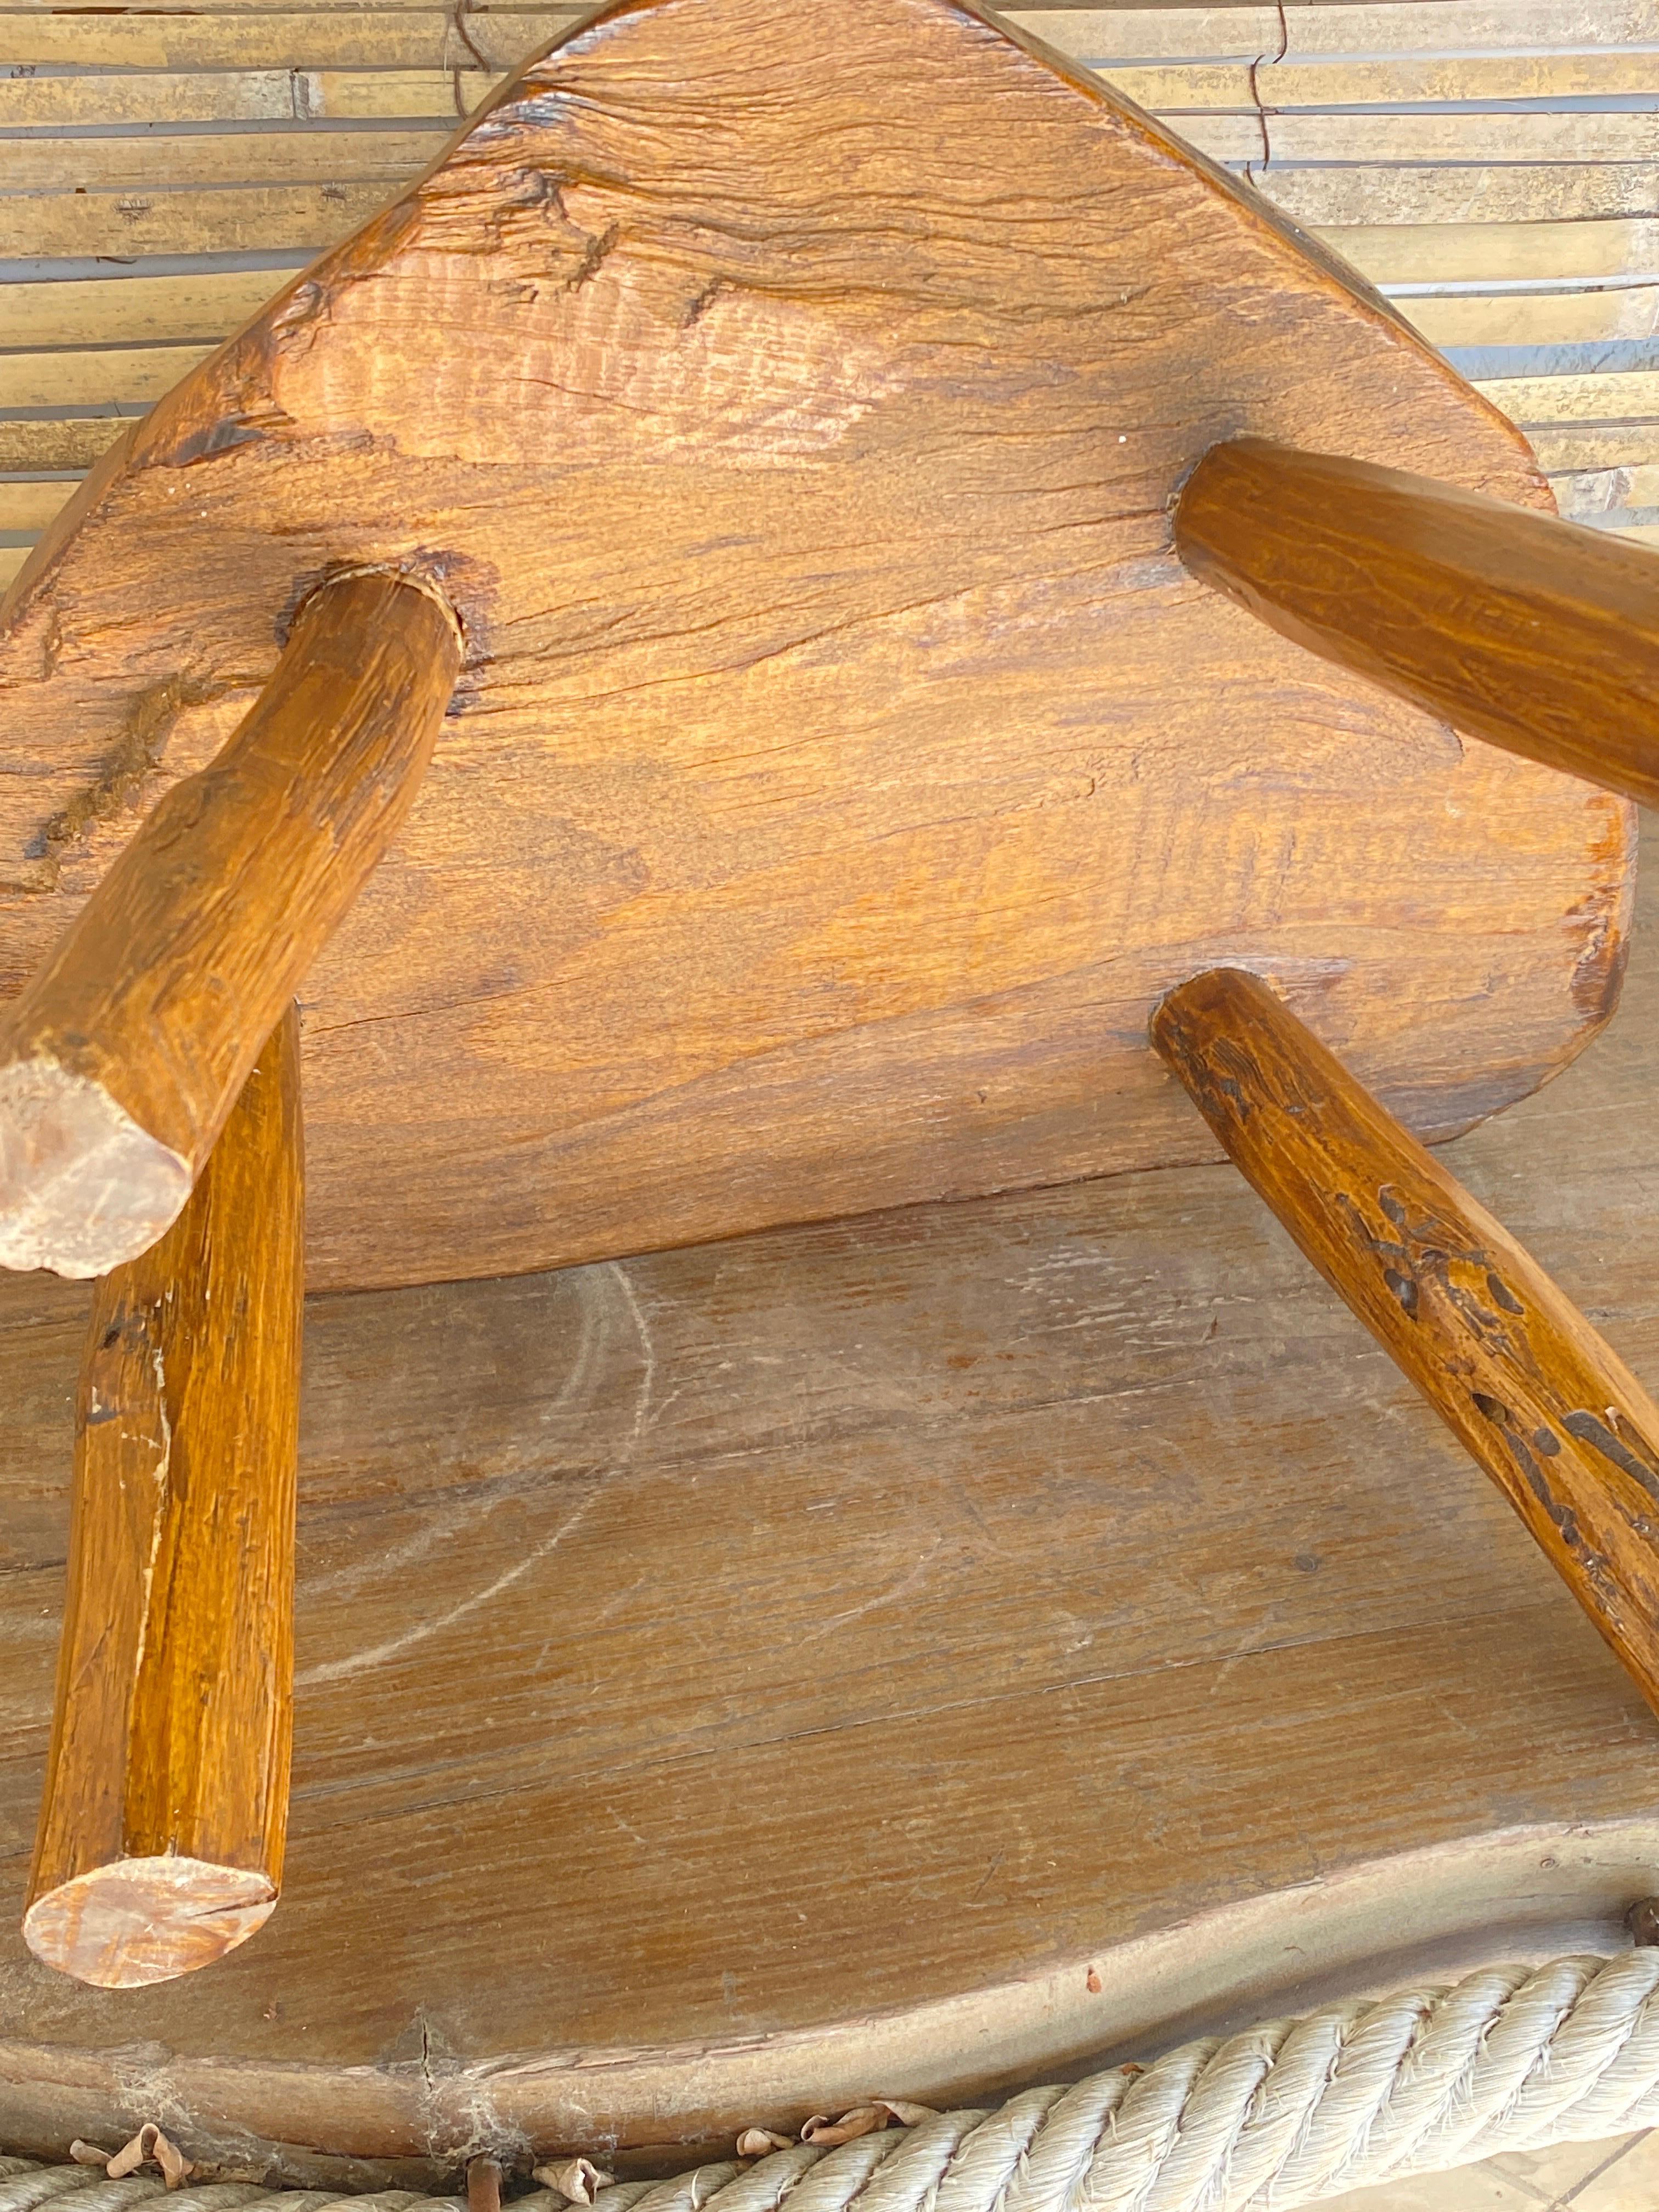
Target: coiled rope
<point>1285,2114</point>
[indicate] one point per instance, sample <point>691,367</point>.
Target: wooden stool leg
<point>165,1805</point>
<point>121,1060</point>
<point>1513,626</point>
<point>1549,1410</point>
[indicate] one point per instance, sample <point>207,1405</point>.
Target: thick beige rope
<point>1283,2115</point>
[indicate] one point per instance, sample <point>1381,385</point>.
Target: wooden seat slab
<point>790,401</point>
<point>736,1682</point>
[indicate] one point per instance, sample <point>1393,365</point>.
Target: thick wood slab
<point>742,1681</point>
<point>790,400</point>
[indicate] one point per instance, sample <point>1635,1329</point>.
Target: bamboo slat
<point>279,95</point>
<point>165,162</point>
<point>1534,229</point>
<point>1613,396</point>
<point>1412,137</point>
<point>1372,194</point>
<point>30,506</point>
<point>1602,491</point>
<point>132,310</point>
<point>298,95</point>
<point>1567,448</point>
<point>1499,253</point>
<point>1405,27</point>
<point>379,38</point>
<point>1395,81</point>
<point>237,218</point>
<point>80,380</point>
<point>74,442</point>
<point>1525,319</point>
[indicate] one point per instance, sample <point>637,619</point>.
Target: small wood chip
<point>149,2147</point>
<point>864,2120</point>
<point>755,2143</point>
<point>575,2179</point>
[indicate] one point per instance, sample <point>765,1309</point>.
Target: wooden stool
<point>810,533</point>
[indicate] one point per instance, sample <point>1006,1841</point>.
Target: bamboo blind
<point>1491,164</point>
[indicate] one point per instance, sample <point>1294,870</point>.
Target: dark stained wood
<point>162,1827</point>
<point>1538,635</point>
<point>845,765</point>
<point>129,1048</point>
<point>738,1682</point>
<point>1512,1367</point>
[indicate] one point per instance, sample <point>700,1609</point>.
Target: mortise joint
<point>394,574</point>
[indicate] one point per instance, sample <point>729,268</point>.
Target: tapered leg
<point>165,1805</point>
<point>122,1058</point>
<point>1547,1408</point>
<point>1536,634</point>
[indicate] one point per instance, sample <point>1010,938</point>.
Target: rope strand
<point>1285,2114</point>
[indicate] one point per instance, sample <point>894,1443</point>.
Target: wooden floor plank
<point>1091,1507</point>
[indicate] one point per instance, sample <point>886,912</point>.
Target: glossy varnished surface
<point>123,1057</point>
<point>844,765</point>
<point>771,1672</point>
<point>1538,635</point>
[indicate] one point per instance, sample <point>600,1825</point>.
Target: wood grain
<point>847,765</point>
<point>121,1060</point>
<point>162,1821</point>
<point>1125,1602</point>
<point>1518,1374</point>
<point>1538,635</point>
